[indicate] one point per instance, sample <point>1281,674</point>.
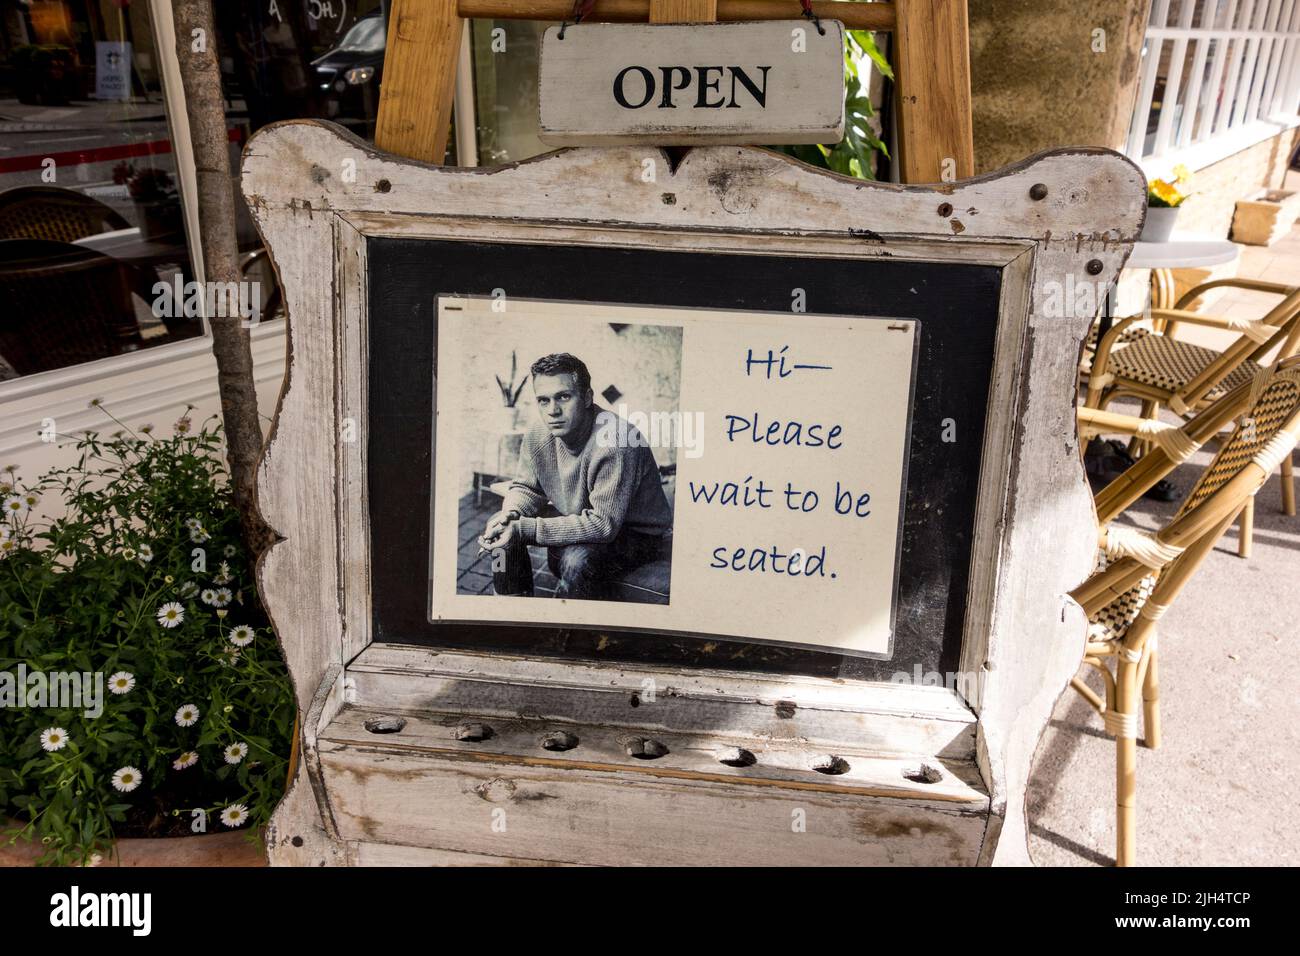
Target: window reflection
<point>90,214</point>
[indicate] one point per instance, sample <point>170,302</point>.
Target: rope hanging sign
<point>767,82</point>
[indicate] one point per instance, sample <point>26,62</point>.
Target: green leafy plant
<point>140,577</point>
<point>855,154</point>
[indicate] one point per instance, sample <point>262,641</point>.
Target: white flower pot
<point>1159,223</point>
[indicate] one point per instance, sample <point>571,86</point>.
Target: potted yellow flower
<point>1164,196</point>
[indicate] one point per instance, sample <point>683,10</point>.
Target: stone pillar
<point>1038,81</point>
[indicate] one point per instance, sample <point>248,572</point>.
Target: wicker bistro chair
<point>64,305</point>
<point>1140,575</point>
<point>55,213</point>
<point>1171,446</point>
<point>1159,369</point>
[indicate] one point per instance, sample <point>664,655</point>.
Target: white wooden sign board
<point>389,773</point>
<point>770,82</point>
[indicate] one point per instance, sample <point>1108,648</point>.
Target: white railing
<point>1215,71</point>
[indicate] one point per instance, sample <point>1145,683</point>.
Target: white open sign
<point>770,82</point>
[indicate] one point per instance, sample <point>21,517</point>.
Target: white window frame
<point>1260,77</point>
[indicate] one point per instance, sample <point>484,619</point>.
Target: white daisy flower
<point>192,523</point>
<point>230,656</point>
<point>54,738</point>
<point>126,779</point>
<point>187,716</point>
<point>241,636</point>
<point>209,596</point>
<point>198,535</point>
<point>223,597</point>
<point>14,504</point>
<point>31,499</point>
<point>236,753</point>
<point>7,540</point>
<point>234,815</point>
<point>171,614</point>
<point>128,554</point>
<point>146,554</point>
<point>223,573</point>
<point>188,589</point>
<point>230,551</point>
<point>187,759</point>
<point>182,426</point>
<point>121,682</point>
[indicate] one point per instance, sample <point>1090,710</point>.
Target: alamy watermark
<point>969,684</point>
<point>191,300</point>
<point>79,690</point>
<point>631,429</point>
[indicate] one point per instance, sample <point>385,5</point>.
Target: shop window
<point>90,209</point>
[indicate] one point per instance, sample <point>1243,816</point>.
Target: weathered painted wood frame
<point>422,795</point>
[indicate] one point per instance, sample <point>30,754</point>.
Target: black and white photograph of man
<point>560,442</point>
<point>587,489</point>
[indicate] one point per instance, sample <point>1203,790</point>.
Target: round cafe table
<point>1180,252</point>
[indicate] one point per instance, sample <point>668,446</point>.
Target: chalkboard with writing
<point>954,310</point>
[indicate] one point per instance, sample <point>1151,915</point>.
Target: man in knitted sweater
<point>597,472</point>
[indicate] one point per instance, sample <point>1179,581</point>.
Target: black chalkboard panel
<point>957,306</point>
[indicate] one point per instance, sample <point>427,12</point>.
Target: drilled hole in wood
<point>924,774</point>
<point>738,757</point>
<point>635,701</point>
<point>831,765</point>
<point>644,748</point>
<point>296,841</point>
<point>385,725</point>
<point>945,209</point>
<point>471,733</point>
<point>383,186</point>
<point>559,740</point>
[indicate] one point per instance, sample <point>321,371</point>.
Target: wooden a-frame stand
<point>930,52</point>
<point>409,756</point>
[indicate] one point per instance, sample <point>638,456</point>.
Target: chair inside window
<point>54,213</point>
<point>64,304</point>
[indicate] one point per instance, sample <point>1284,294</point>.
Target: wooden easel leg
<point>932,50</point>
<point>415,100</point>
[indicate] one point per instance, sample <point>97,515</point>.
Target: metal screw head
<point>1038,191</point>
<point>1094,267</point>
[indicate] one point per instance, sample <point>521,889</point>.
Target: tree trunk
<point>201,76</point>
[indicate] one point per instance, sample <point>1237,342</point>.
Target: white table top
<point>1182,252</point>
